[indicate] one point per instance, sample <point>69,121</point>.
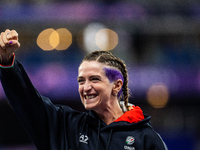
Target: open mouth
<point>87,97</point>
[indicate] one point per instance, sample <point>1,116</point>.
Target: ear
<point>117,86</point>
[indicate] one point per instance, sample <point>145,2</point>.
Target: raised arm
<point>28,104</point>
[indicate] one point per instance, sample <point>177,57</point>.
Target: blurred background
<point>158,40</point>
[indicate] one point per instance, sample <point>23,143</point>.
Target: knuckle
<point>7,30</point>
<point>14,32</point>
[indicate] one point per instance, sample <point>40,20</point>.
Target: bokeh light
<point>97,36</point>
<point>106,39</point>
<point>158,95</point>
<point>65,39</point>
<point>54,39</point>
<point>43,39</point>
<point>89,35</point>
<point>50,39</point>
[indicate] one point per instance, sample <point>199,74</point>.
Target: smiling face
<point>94,87</point>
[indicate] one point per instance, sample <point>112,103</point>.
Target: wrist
<point>7,60</point>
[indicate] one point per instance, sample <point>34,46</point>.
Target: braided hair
<point>109,59</point>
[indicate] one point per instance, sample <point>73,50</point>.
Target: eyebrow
<point>92,76</point>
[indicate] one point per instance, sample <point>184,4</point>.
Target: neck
<point>110,113</point>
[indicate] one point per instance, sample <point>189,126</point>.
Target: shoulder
<point>153,140</point>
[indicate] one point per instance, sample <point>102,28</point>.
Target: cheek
<point>107,89</point>
<point>80,89</point>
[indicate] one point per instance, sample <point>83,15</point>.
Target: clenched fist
<point>8,45</point>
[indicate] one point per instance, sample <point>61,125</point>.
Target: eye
<point>95,79</point>
<point>80,81</point>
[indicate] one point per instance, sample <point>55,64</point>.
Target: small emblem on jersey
<point>130,140</point>
<point>84,139</point>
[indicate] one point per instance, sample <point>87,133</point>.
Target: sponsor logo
<point>130,140</point>
<point>83,139</point>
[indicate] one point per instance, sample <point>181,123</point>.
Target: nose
<point>87,86</point>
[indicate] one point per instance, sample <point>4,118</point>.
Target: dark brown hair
<point>109,59</point>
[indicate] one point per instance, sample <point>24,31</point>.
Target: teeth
<point>90,97</point>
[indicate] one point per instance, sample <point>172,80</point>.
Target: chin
<point>89,106</point>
